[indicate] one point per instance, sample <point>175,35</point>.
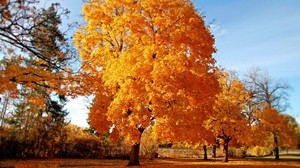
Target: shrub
<point>259,151</point>
<point>149,145</point>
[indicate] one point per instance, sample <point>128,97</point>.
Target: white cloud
<point>218,30</point>
<point>78,110</point>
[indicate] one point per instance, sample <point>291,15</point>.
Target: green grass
<point>291,155</point>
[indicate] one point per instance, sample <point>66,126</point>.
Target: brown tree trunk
<point>134,155</point>
<point>276,153</point>
<point>226,142</point>
<point>205,152</point>
<point>276,150</point>
<point>214,151</point>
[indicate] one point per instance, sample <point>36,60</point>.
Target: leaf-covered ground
<point>158,163</point>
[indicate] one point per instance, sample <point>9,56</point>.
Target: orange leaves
<point>154,58</point>
<point>3,2</point>
<point>227,119</point>
<point>35,52</point>
<point>271,122</point>
<point>15,71</point>
<point>5,11</point>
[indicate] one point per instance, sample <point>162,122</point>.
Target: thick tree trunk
<point>276,150</point>
<point>225,151</point>
<point>214,151</point>
<point>134,155</point>
<point>205,152</point>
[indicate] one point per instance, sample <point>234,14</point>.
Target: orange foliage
<point>14,72</point>
<point>155,62</point>
<point>4,11</point>
<point>35,52</point>
<point>274,124</point>
<point>3,2</point>
<point>227,122</point>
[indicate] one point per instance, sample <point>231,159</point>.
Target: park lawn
<point>286,157</point>
<point>158,163</point>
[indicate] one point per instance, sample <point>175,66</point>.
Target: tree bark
<point>276,150</point>
<point>6,98</point>
<point>205,152</point>
<point>214,151</point>
<point>276,153</point>
<point>134,155</point>
<point>225,151</point>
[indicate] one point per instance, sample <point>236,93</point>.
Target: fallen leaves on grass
<point>158,163</point>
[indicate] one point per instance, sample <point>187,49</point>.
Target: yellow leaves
<point>227,119</point>
<point>272,123</point>
<point>153,57</point>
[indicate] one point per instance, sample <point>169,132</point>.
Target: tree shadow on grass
<point>282,158</point>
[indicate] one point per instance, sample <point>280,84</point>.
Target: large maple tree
<point>149,63</point>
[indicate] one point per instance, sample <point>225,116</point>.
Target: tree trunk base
<point>214,151</point>
<point>134,155</point>
<point>276,153</point>
<point>205,152</point>
<point>225,159</point>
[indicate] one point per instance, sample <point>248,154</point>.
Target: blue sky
<point>264,33</point>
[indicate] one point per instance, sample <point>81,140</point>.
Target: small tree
<point>227,121</point>
<point>274,124</point>
<point>268,96</point>
<point>5,101</point>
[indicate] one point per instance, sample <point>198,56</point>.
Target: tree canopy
<point>154,63</point>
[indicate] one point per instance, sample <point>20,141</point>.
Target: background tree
<point>80,143</point>
<point>266,94</point>
<point>227,121</point>
<point>28,34</point>
<point>35,68</point>
<point>36,125</point>
<point>265,91</point>
<point>292,140</point>
<point>298,136</point>
<point>155,63</point>
<point>149,144</point>
<point>5,101</point>
<point>276,125</point>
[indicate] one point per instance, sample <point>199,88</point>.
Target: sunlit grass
<point>283,157</point>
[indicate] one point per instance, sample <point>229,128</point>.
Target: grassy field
<point>158,163</point>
